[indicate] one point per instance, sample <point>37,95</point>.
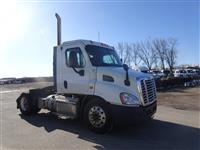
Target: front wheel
<point>97,116</point>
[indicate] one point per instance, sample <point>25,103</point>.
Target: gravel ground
<point>185,99</point>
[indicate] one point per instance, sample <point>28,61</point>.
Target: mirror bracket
<point>80,72</point>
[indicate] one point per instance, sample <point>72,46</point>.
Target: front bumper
<point>131,115</point>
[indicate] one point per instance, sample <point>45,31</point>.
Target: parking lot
<point>175,126</point>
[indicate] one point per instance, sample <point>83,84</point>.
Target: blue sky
<point>28,32</point>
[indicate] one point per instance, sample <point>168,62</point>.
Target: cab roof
<point>87,42</point>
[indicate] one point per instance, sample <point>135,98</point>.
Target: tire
<point>24,104</point>
<point>97,116</point>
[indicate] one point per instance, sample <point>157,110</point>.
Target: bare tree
<point>160,47</point>
<point>150,52</point>
<point>171,53</point>
<point>120,49</point>
<point>124,51</point>
<point>134,55</point>
<point>147,53</point>
<point>156,61</point>
<point>128,54</point>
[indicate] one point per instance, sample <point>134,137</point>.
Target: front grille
<point>148,90</point>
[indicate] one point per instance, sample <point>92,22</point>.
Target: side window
<point>109,59</point>
<point>74,58</point>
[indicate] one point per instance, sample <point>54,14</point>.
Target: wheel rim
<point>97,117</point>
<point>24,104</point>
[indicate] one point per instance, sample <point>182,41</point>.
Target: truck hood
<point>116,83</point>
<point>119,73</point>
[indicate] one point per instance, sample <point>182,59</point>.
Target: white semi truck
<point>92,84</point>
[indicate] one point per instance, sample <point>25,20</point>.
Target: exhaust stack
<point>58,29</point>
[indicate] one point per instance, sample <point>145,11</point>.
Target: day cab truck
<point>92,84</point>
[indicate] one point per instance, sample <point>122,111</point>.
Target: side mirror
<point>74,62</point>
<point>125,66</point>
<point>81,72</point>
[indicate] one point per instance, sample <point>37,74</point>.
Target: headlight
<point>129,99</point>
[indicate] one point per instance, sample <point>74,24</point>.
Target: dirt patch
<point>185,99</point>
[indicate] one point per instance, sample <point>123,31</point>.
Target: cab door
<point>75,75</point>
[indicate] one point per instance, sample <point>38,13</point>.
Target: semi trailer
<point>90,83</point>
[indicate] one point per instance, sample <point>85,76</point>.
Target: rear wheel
<point>24,104</point>
<point>97,116</point>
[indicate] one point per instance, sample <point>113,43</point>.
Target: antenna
<point>98,36</point>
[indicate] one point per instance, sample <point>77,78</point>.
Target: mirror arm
<point>126,81</point>
<point>75,70</point>
<point>81,73</point>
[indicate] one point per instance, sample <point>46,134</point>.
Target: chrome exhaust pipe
<point>58,29</point>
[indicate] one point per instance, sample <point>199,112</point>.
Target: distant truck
<point>91,83</point>
<point>180,73</point>
<point>156,74</point>
<point>7,80</point>
<point>191,72</point>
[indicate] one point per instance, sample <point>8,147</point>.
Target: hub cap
<point>97,116</point>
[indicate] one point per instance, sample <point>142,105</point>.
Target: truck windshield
<point>100,56</point>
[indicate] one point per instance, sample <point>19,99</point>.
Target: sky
<point>28,29</point>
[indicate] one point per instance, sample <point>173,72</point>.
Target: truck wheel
<point>97,116</point>
<point>24,104</point>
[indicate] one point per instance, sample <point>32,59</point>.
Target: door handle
<point>65,84</point>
